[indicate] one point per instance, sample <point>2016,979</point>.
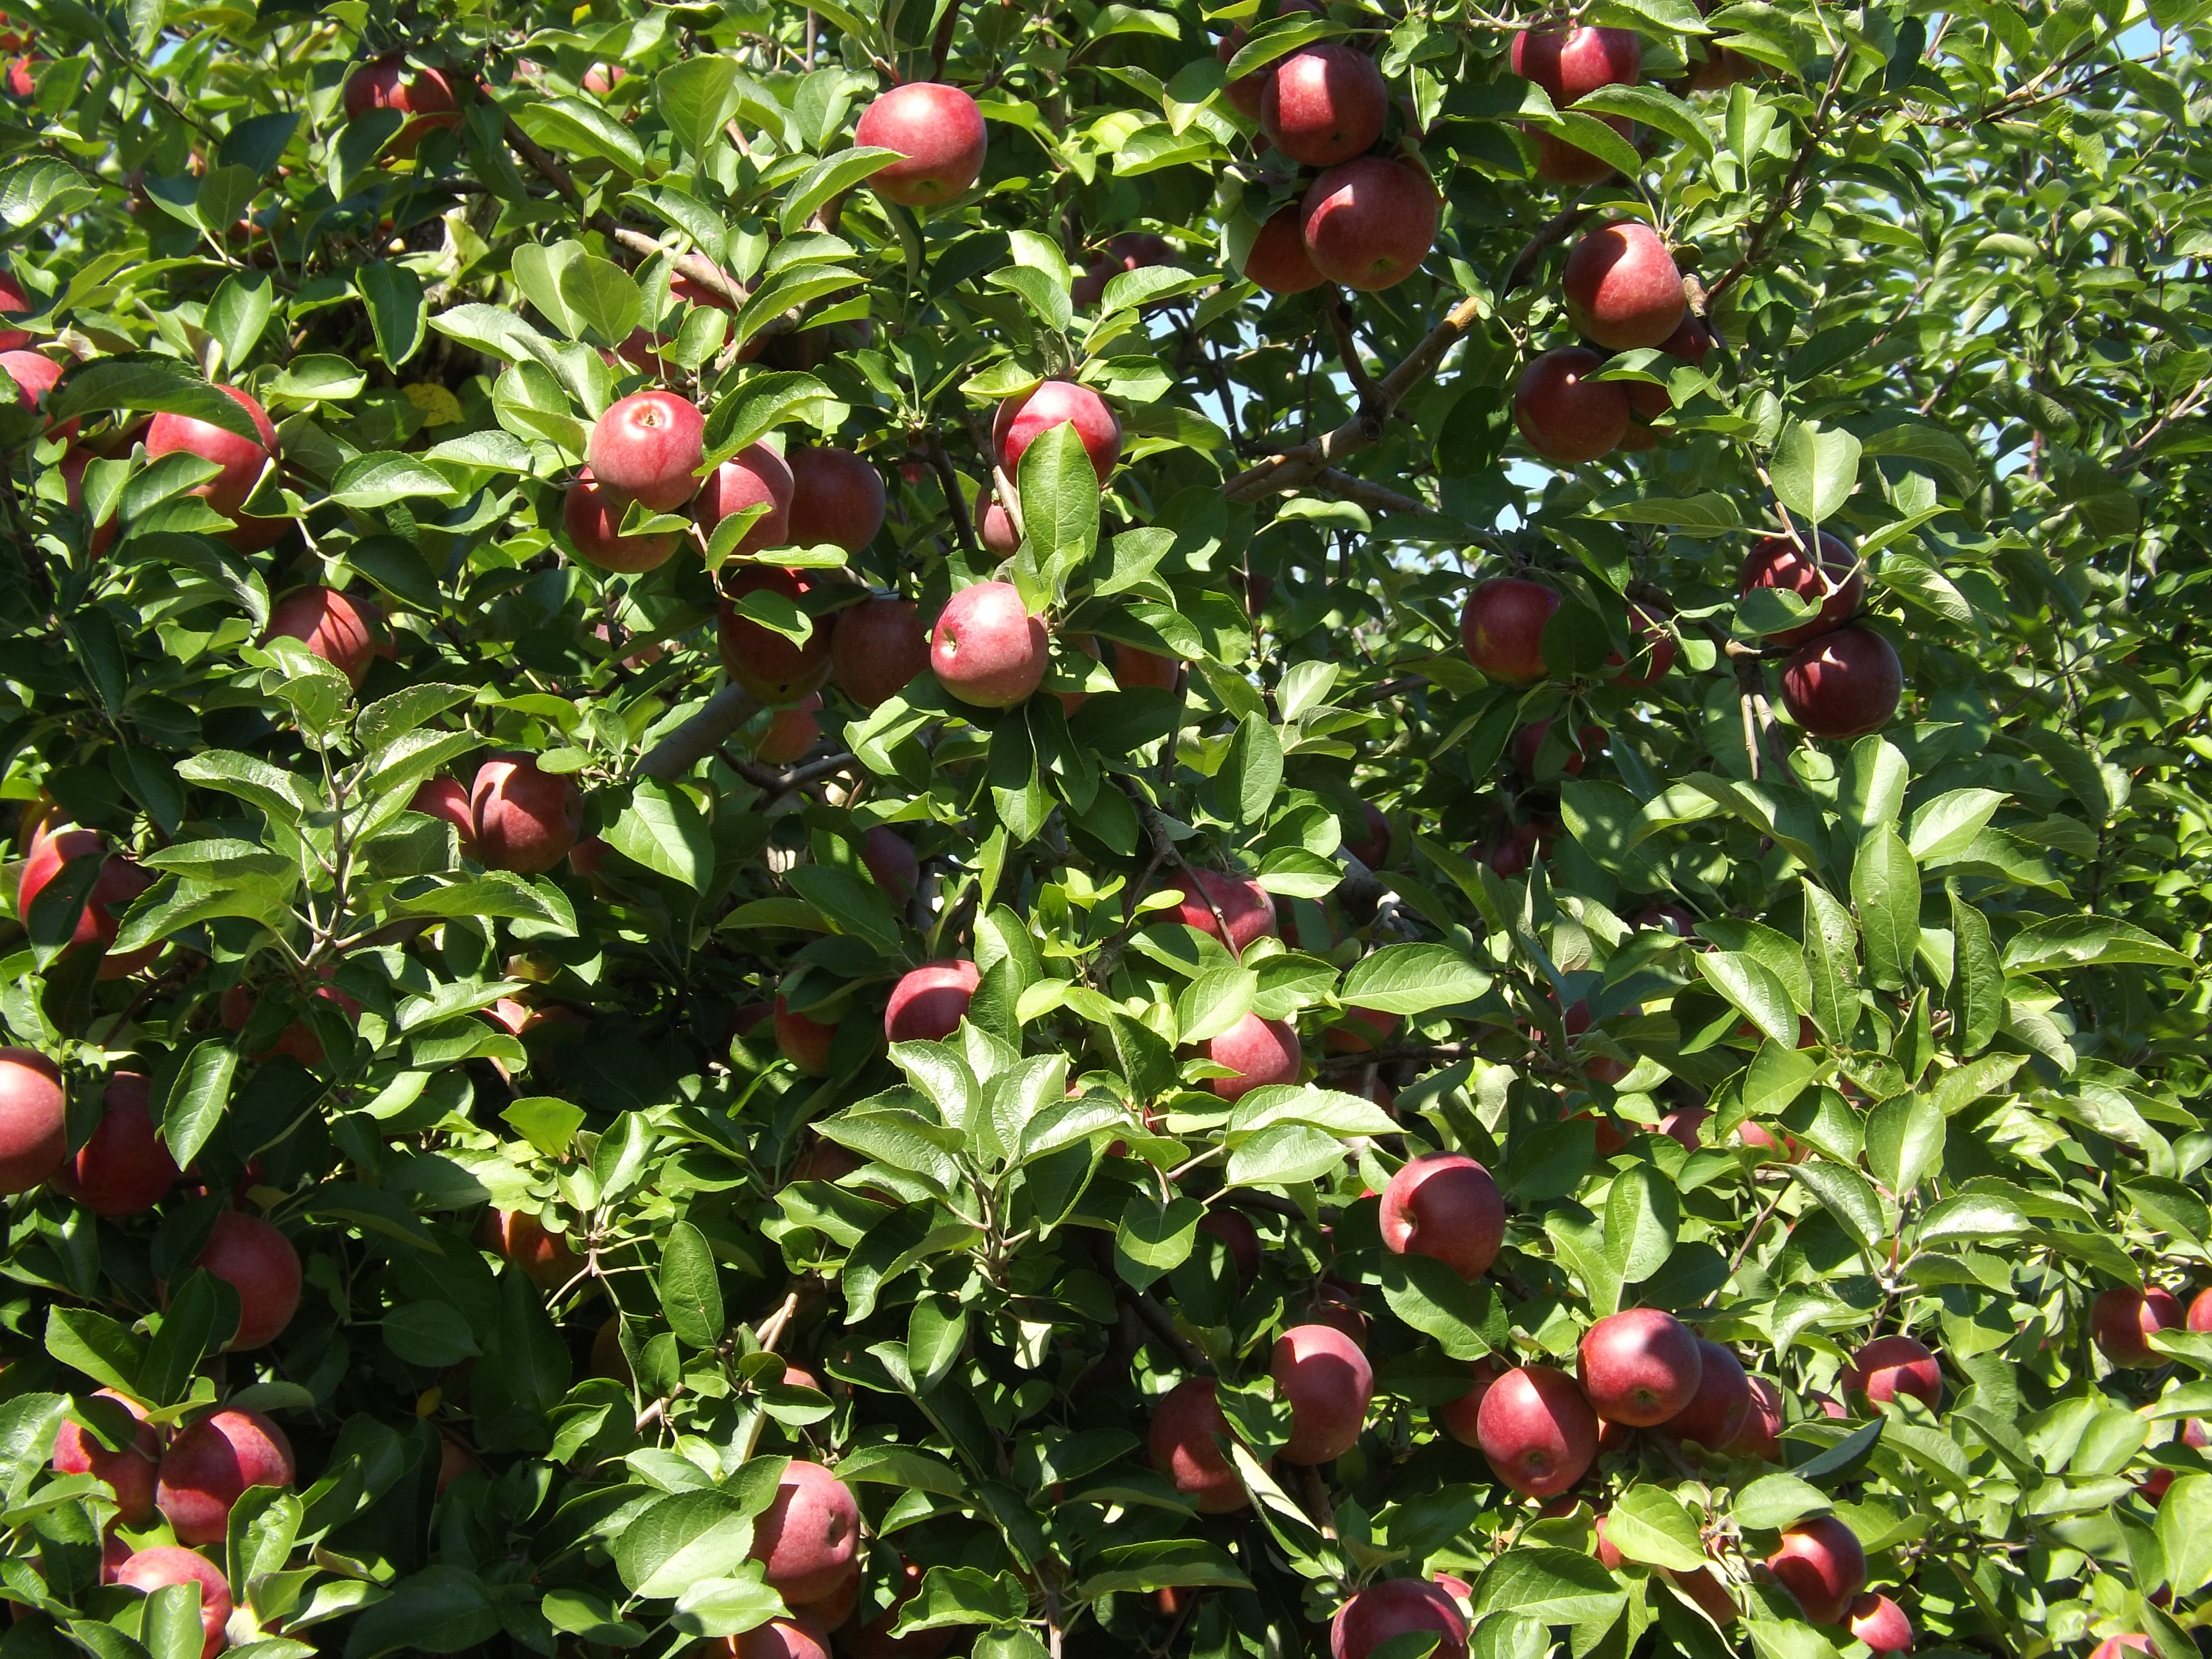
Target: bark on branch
<point>699,736</point>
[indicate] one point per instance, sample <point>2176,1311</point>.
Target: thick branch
<point>1379,498</point>
<point>699,736</point>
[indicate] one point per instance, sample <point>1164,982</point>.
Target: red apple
<point>260,1264</point>
<point>1760,1139</point>
<point>877,648</point>
<point>445,800</point>
<point>755,477</point>
<point>130,1473</point>
<point>121,879</point>
<point>1843,684</point>
<point>1259,1051</point>
<point>1024,418</point>
<point>2121,1322</point>
<point>240,458</point>
<point>33,1127</point>
<point>1329,1386</point>
<point>836,497</point>
<point>1821,1563</point>
<point>1134,667</point>
<point>1528,742</point>
<point>297,1039</point>
<point>1559,162</point>
<point>1639,1367</point>
<point>764,662</point>
<point>335,628</point>
<point>1716,1414</point>
<point>163,1564</point>
<point>1462,1418</point>
<point>1324,104</point>
<point>889,859</point>
<point>15,301</point>
<point>1881,1623</point>
<point>861,1637</point>
<point>1276,260</point>
<point>1760,1436</point>
<point>1445,1206</point>
<point>1538,1432</point>
<point>1359,1031</point>
<point>987,649</point>
<point>791,732</point>
<point>591,518</point>
<point>1394,1607</point>
<point>454,1459</point>
<point>123,1168</point>
<point>1369,222</point>
<point>1570,63</point>
<point>939,131</point>
<point>1567,416</point>
<point>808,1539</point>
<point>526,819</point>
<point>647,447</point>
<point>210,1463</point>
<point>1245,92</point>
<point>1655,656</point>
<point>2200,1311</point>
<point>928,1004</point>
<point>1835,583</point>
<point>1891,1365</point>
<point>1685,1127</point>
<point>796,1635</point>
<point>35,376</point>
<point>1373,846</point>
<point>804,1042</point>
<point>388,83</point>
<point>1691,341</point>
<point>2118,1647</point>
<point>1235,1229</point>
<point>1182,1445</point>
<point>994,525</point>
<point>1501,629</point>
<point>519,1238</point>
<point>1622,289</point>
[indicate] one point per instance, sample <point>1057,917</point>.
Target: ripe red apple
<point>791,731</point>
<point>2118,1647</point>
<point>994,525</point>
<point>526,819</point>
<point>755,477</point>
<point>591,518</point>
<point>1843,684</point>
<point>1570,63</point>
<point>1134,667</point>
<point>1655,656</point>
<point>2194,1434</point>
<point>1760,1436</point>
<point>1359,1031</point>
<point>1244,905</point>
<point>1822,1564</point>
<point>1528,742</point>
<point>1881,1623</point>
<point>939,131</point>
<point>1235,1229</point>
<point>1276,260</point>
<point>1501,629</point>
<point>1622,289</point>
<point>1180,1444</point>
<point>836,497</point>
<point>1760,1139</point>
<point>121,879</point>
<point>1373,846</point>
<point>335,628</point>
<point>809,1537</point>
<point>1691,342</point>
<point>211,1462</point>
<point>1559,162</point>
<point>259,1263</point>
<point>1716,1414</point>
<point>1130,250</point>
<point>646,447</point>
<point>2200,1311</point>
<point>1394,1607</point>
<point>1446,1206</point>
<point>519,1237</point>
<point>1462,1418</point>
<point>1329,1385</point>
<point>1834,583</point>
<point>987,649</point>
<point>1369,223</point>
<point>388,83</point>
<point>163,1564</point>
<point>877,648</point>
<point>804,1042</point>
<point>2121,1322</point>
<point>1324,104</point>
<point>1024,418</point>
<point>890,863</point>
<point>33,1127</point>
<point>297,1039</point>
<point>1639,1367</point>
<point>1567,416</point>
<point>35,376</point>
<point>1891,1365</point>
<point>1244,93</point>
<point>764,662</point>
<point>130,1473</point>
<point>928,1004</point>
<point>15,301</point>
<point>1538,1432</point>
<point>240,458</point>
<point>445,800</point>
<point>1260,1051</point>
<point>796,1635</point>
<point>123,1168</point>
<point>1686,1126</point>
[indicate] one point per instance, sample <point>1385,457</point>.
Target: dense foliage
<point>440,862</point>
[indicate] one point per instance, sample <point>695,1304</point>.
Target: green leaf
<point>239,313</point>
<point>1754,990</point>
<point>197,1097</point>
<point>146,383</point>
<point>696,97</point>
<point>1905,1139</point>
<point>755,409</point>
<point>1843,1193</point>
<point>2077,941</point>
<point>440,1609</point>
<point>1283,1156</point>
<point>1654,107</point>
<point>1831,950</point>
<point>1648,1523</point>
<point>432,1333</point>
<point>1214,1002</point>
<point>663,831</point>
<point>378,480</point>
<point>851,166</point>
<point>1552,1586</point>
<point>602,299</point>
<point>2185,1532</point>
<point>1885,890</point>
<point>397,311</point>
<point>1251,775</point>
<point>1976,994</point>
<point>1058,490</point>
<point>1641,1216</point>
<point>90,1342</point>
<point>1775,1501</point>
<point>1815,471</point>
<point>1412,979</point>
<point>691,1287</point>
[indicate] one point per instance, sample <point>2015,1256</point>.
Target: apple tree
<point>1043,830</point>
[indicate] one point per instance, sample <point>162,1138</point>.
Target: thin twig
<point>954,496</point>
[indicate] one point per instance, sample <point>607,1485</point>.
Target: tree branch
<point>699,736</point>
<point>1379,497</point>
